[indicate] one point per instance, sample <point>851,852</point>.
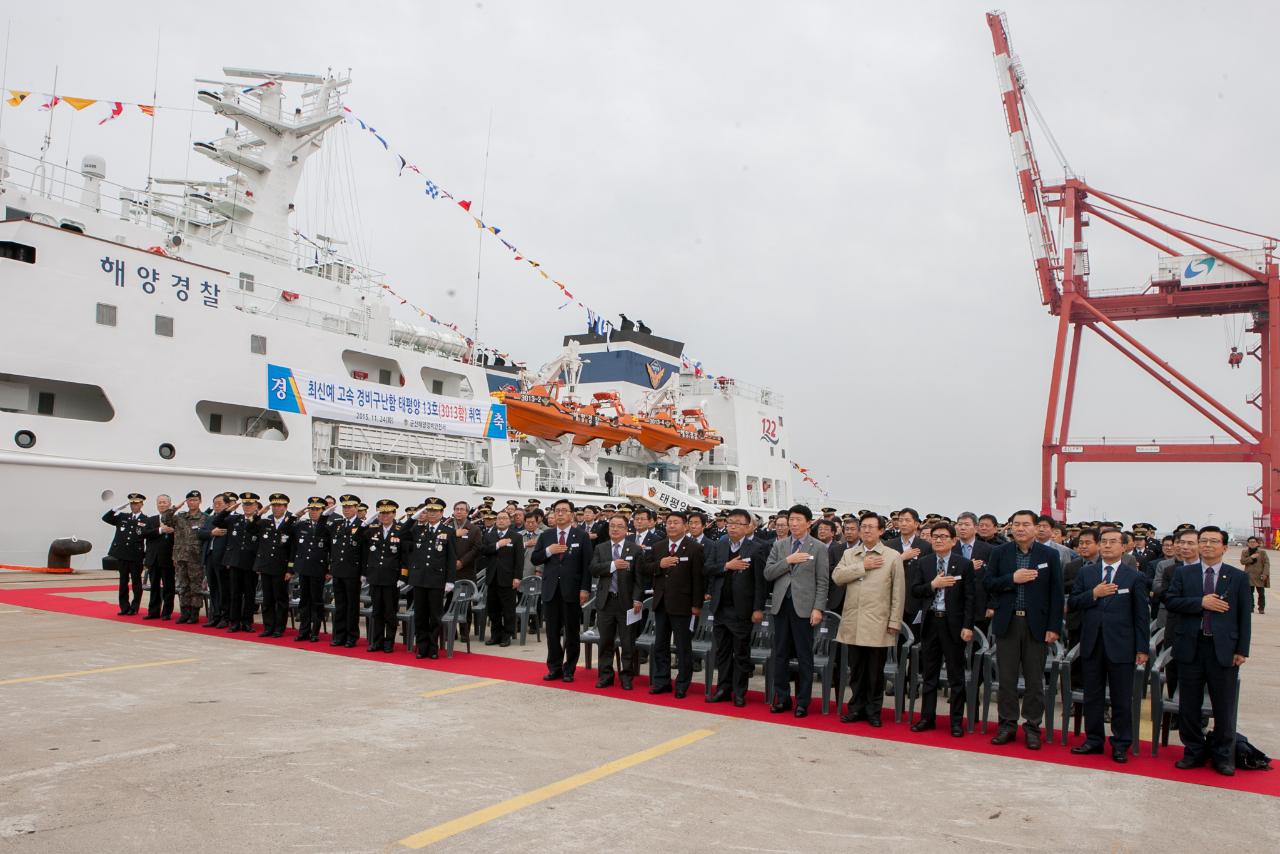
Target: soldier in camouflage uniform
<point>187,550</point>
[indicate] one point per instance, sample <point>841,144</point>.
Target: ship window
<point>17,251</point>
<point>15,213</point>
<point>167,451</point>
<point>235,419</point>
<point>437,386</point>
<point>779,420</point>
<point>384,376</point>
<point>44,396</point>
<point>164,326</point>
<point>446,383</point>
<point>784,453</point>
<point>258,344</point>
<point>370,367</point>
<point>72,225</point>
<point>246,282</point>
<point>106,314</point>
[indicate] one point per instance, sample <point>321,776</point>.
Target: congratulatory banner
<point>358,402</point>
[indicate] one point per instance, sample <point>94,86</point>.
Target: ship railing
<point>692,386</point>
<point>1148,440</point>
<point>184,213</point>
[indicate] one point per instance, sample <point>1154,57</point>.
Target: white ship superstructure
<point>147,331</point>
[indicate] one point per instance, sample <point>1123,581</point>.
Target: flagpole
<point>4,75</point>
<point>151,144</point>
<point>484,187</point>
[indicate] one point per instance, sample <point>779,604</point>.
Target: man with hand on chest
<point>675,571</point>
<point>564,553</point>
<point>944,584</point>
<point>504,550</point>
<point>1115,637</point>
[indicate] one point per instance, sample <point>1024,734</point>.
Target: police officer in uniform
<point>275,533</point>
<point>238,558</point>
<point>385,546</point>
<point>346,560</point>
<point>310,562</point>
<point>431,572</point>
<point>126,549</point>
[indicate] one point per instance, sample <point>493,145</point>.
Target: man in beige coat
<point>875,586</point>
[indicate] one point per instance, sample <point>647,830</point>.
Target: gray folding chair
<point>464,593</point>
<point>589,636</point>
<point>527,606</point>
<point>826,656</point>
<point>703,643</point>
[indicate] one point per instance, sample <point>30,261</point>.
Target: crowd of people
<point>1025,584</point>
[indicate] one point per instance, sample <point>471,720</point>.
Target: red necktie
<point>673,549</point>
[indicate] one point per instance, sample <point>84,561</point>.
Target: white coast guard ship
<point>301,379</point>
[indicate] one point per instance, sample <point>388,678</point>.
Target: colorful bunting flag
<point>147,110</point>
<point>466,206</point>
<point>80,103</point>
<point>51,103</point>
<point>117,108</point>
<point>16,97</point>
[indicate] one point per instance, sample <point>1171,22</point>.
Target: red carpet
<point>530,673</point>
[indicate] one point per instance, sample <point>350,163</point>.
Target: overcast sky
<point>817,197</point>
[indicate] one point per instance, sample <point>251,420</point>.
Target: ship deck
<point>123,735</point>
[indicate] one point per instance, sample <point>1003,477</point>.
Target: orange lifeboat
<point>538,412</point>
<point>605,419</point>
<point>664,429</point>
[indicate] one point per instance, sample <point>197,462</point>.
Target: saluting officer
<point>310,562</point>
<point>431,573</point>
<point>346,560</point>
<point>242,548</point>
<point>385,549</point>
<point>126,549</point>
<point>271,563</point>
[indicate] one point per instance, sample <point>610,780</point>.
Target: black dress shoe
<point>389,646</point>
<point>150,616</point>
<point>422,653</point>
<point>335,642</point>
<point>604,683</point>
<point>1188,762</point>
<point>278,633</point>
<point>718,697</point>
<point>1120,755</point>
<point>300,637</point>
<point>957,730</point>
<point>265,633</point>
<point>123,613</point>
<point>802,711</point>
<point>923,724</point>
<point>433,654</point>
<point>739,701</point>
<point>568,677</point>
<point>1032,737</point>
<point>1005,735</point>
<point>351,644</point>
<point>1226,769</point>
<point>373,647</point>
<point>875,721</point>
<point>504,642</point>
<point>850,715</point>
<point>167,617</point>
<point>777,708</point>
<point>660,689</point>
<point>681,693</point>
<point>1086,749</point>
<point>551,677</point>
<point>491,642</point>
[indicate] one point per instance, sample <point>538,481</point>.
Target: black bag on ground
<point>1250,758</point>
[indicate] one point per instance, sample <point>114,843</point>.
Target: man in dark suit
<point>943,583</point>
<point>159,560</point>
<point>835,551</point>
<point>735,577</point>
<point>238,557</point>
<point>504,549</point>
<point>978,552</point>
<point>127,549</point>
<point>912,547</point>
<point>1115,636</point>
<point>1213,601</point>
<point>215,544</point>
<point>674,570</point>
<point>1024,579</point>
<point>1087,551</point>
<point>564,553</point>
<point>616,563</point>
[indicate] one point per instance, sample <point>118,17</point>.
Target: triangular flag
<point>466,206</point>
<point>147,110</point>
<point>479,224</point>
<point>543,274</point>
<point>403,163</point>
<point>16,97</point>
<point>53,102</point>
<point>494,229</point>
<point>116,109</point>
<point>81,103</point>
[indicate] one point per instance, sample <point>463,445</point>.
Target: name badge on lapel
<point>1042,566</point>
<point>1124,592</point>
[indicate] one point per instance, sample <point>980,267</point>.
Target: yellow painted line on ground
<point>144,629</point>
<point>96,670</point>
<point>472,820</point>
<point>456,688</point>
<point>14,611</point>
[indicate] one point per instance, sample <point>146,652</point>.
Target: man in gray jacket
<point>799,574</point>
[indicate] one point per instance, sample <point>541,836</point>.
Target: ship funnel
<point>94,168</point>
